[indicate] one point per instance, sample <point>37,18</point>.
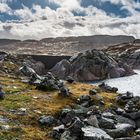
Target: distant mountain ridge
<point>62,45</point>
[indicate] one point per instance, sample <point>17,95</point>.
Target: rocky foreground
<point>43,107</point>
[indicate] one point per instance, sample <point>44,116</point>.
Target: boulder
<point>92,133</point>
<point>75,127</point>
<point>124,120</point>
<point>106,123</point>
<point>47,120</point>
<point>62,69</point>
<point>47,82</point>
<point>133,115</point>
<point>129,138</point>
<point>122,130</point>
<point>66,116</point>
<point>109,115</point>
<point>92,121</point>
<point>88,66</point>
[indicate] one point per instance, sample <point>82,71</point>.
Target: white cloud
<point>68,4</point>
<point>38,23</point>
<point>4,8</point>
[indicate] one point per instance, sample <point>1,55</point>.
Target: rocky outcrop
<point>128,53</point>
<point>89,66</point>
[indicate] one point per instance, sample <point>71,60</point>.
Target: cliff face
<point>62,45</point>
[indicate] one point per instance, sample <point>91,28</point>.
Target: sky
<point>37,19</point>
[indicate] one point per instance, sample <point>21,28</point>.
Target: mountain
<point>62,45</point>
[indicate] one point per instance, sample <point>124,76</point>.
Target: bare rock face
<point>128,53</point>
<point>89,66</point>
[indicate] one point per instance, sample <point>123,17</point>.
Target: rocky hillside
<point>62,45</point>
<point>35,107</point>
<point>128,53</point>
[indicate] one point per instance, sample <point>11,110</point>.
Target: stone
<point>2,95</point>
<point>119,111</point>
<point>3,119</point>
<point>124,98</point>
<point>70,80</point>
<point>60,128</point>
<point>133,115</point>
<point>62,69</point>
<point>92,133</point>
<point>92,121</point>
<point>84,98</point>
<point>107,88</point>
<point>55,134</point>
<point>130,107</point>
<point>122,130</point>
<point>47,120</point>
<point>124,120</point>
<point>47,82</point>
<point>66,136</point>
<point>64,92</point>
<point>27,71</point>
<point>66,116</point>
<point>92,92</point>
<point>106,123</point>
<point>94,110</point>
<point>108,115</point>
<point>75,127</point>
<point>80,110</point>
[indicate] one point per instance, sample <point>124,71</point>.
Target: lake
<point>124,84</point>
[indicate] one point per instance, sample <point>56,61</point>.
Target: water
<point>124,84</point>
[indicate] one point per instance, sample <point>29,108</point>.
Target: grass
<point>37,103</point>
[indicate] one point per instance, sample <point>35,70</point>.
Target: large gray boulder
<point>89,66</point>
<point>122,130</point>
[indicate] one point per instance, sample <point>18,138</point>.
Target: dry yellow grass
<point>38,103</point>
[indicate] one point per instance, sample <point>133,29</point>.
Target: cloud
<point>4,8</point>
<point>37,22</point>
